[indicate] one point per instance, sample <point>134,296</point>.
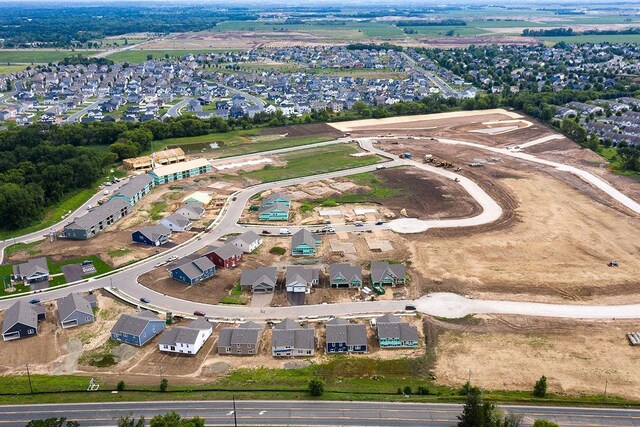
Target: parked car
<point>266,232</point>
<point>34,301</point>
<point>410,307</point>
<point>145,300</point>
<point>379,222</point>
<point>105,192</point>
<point>199,313</point>
<point>285,231</point>
<point>613,264</point>
<point>173,257</point>
<point>359,224</point>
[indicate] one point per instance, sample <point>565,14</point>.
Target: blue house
<point>275,212</point>
<point>304,242</point>
<point>137,329</point>
<point>279,198</point>
<point>153,235</point>
<point>193,271</point>
<point>345,337</point>
<point>135,189</point>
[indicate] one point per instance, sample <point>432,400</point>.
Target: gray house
<point>243,340</point>
<point>97,219</point>
<point>135,189</point>
<point>261,280</point>
<point>344,337</point>
<point>300,279</point>
<point>191,210</point>
<point>291,339</point>
<point>345,276</point>
<point>138,328</point>
<point>176,222</point>
<point>394,333</point>
<point>75,310</point>
<point>21,320</point>
<point>33,271</point>
<point>383,273</point>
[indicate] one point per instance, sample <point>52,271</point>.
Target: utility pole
<point>235,416</point>
<point>469,380</point>
<point>29,377</point>
<point>606,383</point>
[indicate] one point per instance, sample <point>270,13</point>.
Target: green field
<point>7,69</point>
<point>39,56</point>
<point>594,38</point>
<point>101,266</point>
<point>312,162</point>
<point>19,247</point>
<point>134,56</point>
<point>611,155</point>
<point>442,31</point>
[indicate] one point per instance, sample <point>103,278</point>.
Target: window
<point>173,348</point>
<point>31,331</point>
<point>228,349</point>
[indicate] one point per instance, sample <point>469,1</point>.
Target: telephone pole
<point>29,377</point>
<point>235,416</point>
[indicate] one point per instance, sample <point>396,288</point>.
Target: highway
<point>307,413</point>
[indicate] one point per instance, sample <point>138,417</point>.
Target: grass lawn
<point>594,38</point>
<point>155,213</point>
<point>135,56</point>
<point>610,154</point>
<point>101,266</point>
<point>313,162</point>
<point>6,270</point>
<point>39,56</point>
<point>18,247</point>
<point>235,297</point>
<point>119,252</point>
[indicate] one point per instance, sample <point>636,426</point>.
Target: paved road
<point>76,116</point>
<point>175,110</point>
<point>257,101</point>
<point>436,80</point>
<point>308,413</point>
<point>17,87</point>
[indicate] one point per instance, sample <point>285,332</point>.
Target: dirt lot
<point>512,352</point>
<point>315,129</point>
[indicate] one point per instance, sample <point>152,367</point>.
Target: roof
<point>168,153</point>
<point>135,185</point>
<point>179,334</point>
<point>20,312</point>
<point>274,207</point>
<point>261,274</point>
<point>303,236</point>
<point>99,213</point>
<point>246,333</point>
<point>195,207</point>
<point>31,267</point>
<point>390,326</point>
<point>134,324</point>
<point>289,333</point>
<point>199,197</point>
<point>194,268</point>
<point>180,167</point>
<point>201,323</point>
<point>226,251</point>
<point>340,330</point>
<point>347,271</point>
<point>248,237</point>
<point>71,303</point>
<point>379,269</point>
<point>178,219</point>
<point>154,232</point>
<point>301,274</point>
<point>274,196</point>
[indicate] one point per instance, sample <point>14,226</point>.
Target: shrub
<point>120,385</point>
<point>423,390</point>
<point>407,390</point>
<point>277,250</point>
<point>540,389</point>
<point>465,389</point>
<point>316,387</point>
<point>164,384</point>
<point>544,423</point>
<point>399,390</point>
<point>329,203</point>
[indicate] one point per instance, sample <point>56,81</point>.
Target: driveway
<point>261,300</point>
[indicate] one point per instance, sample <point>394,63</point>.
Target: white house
<point>186,339</point>
<point>300,279</point>
<point>176,222</point>
<point>248,241</point>
<point>191,210</point>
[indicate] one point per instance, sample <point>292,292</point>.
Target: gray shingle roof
<point>135,185</point>
<point>194,207</point>
<point>380,269</point>
<point>185,334</point>
<point>194,268</point>
<point>99,213</point>
<point>154,232</point>
<point>303,236</point>
<point>248,237</point>
<point>273,196</point>
<point>134,324</point>
<point>72,302</point>
<point>31,267</point>
<point>181,220</point>
<point>20,312</point>
<point>340,330</point>
<point>246,333</point>
<point>226,251</point>
<point>289,333</point>
<point>301,274</point>
<point>390,326</point>
<point>347,271</point>
<point>275,206</point>
<point>259,275</point>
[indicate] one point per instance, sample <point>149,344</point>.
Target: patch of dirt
<point>319,129</point>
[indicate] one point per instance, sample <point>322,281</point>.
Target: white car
<point>105,192</point>
<point>173,257</point>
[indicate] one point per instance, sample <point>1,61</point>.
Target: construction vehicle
<point>475,165</point>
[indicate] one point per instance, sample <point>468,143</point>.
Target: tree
<point>574,131</point>
<point>476,412</point>
<point>407,390</point>
<point>164,384</point>
<point>628,158</point>
<point>129,421</point>
<point>544,423</point>
<point>540,388</point>
<point>172,419</point>
<point>120,386</point>
<point>52,422</point>
<point>316,387</point>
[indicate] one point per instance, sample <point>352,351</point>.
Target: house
<point>176,222</point>
<point>135,189</point>
<point>248,241</point>
<point>345,276</point>
<point>344,337</point>
<point>383,273</point>
<point>186,339</point>
<point>394,333</point>
<point>303,242</point>
<point>75,310</point>
<point>138,163</point>
<point>261,280</point>
<point>177,171</point>
<point>191,210</point>
<point>226,256</point>
<point>192,271</point>
<point>152,235</point>
<point>277,198</point>
<point>202,197</point>
<point>243,340</point>
<point>138,328</point>
<point>275,212</point>
<point>97,219</point>
<point>33,271</point>
<point>21,320</point>
<point>300,279</point>
<point>290,339</point>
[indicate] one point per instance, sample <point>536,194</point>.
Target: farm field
<point>25,56</point>
<point>7,69</point>
<point>134,56</point>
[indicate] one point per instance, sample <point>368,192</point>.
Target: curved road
<point>76,116</point>
<point>308,413</point>
<point>175,110</point>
